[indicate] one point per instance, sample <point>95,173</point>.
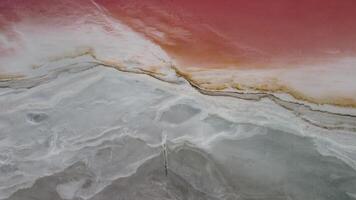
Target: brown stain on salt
<point>10,77</point>
<point>272,86</point>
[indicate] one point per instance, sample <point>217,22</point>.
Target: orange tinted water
<point>240,33</point>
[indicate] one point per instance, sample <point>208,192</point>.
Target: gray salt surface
<point>98,134</point>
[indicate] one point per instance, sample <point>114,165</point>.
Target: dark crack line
<point>234,94</point>
<point>259,96</point>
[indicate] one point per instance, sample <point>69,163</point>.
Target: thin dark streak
<point>259,96</point>
<point>234,94</point>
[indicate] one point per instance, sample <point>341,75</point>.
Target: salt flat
<point>93,132</point>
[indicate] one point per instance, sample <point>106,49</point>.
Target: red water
<point>239,32</point>
<point>216,33</point>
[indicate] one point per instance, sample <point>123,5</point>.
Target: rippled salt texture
<point>74,129</point>
<point>96,133</point>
